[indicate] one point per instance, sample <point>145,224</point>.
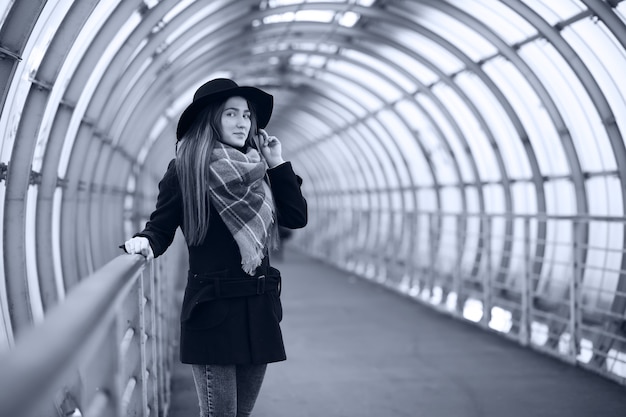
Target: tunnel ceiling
<point>479,106</point>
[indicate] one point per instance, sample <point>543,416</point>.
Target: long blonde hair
<point>192,167</point>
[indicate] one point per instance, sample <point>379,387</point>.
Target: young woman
<point>228,189</point>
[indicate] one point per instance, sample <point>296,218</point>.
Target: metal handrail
<point>544,288</point>
<point>77,356</point>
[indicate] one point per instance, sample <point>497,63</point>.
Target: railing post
<point>142,301</point>
<point>574,289</point>
<point>153,403</point>
<point>433,237</point>
<point>458,279</point>
<point>487,276</point>
<point>524,331</point>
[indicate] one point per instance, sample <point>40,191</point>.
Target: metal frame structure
<point>461,152</point>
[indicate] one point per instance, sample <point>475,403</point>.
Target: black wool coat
<point>233,330</point>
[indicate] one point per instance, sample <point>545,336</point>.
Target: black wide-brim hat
<point>221,89</point>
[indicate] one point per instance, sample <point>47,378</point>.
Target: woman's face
<point>235,122</point>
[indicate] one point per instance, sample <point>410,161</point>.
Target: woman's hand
<point>140,245</point>
<point>271,149</point>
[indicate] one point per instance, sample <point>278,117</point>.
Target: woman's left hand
<point>271,149</point>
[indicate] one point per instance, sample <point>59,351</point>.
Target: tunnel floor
<point>356,349</point>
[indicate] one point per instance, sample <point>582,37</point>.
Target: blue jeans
<point>227,390</point>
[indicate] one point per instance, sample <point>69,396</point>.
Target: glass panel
<point>353,90</point>
<point>384,161</point>
<point>324,128</point>
<point>365,77</point>
<point>383,68</point>
<point>580,113</point>
<point>524,198</point>
<point>430,50</point>
<point>473,200</point>
<point>449,28</point>
<point>427,200</point>
<point>357,179</point>
<point>98,71</point>
<point>620,11</point>
<point>5,8</point>
<point>176,10</point>
<point>185,27</point>
<point>331,110</point>
<point>560,197</point>
<point>451,200</point>
<point>603,263</point>
<point>409,64</point>
<point>555,11</point>
<point>279,3</point>
<point>604,195</point>
<point>351,102</point>
<point>472,236</point>
<point>494,198</point>
<point>357,137</point>
<point>606,59</point>
<point>511,148</point>
<point>442,126</point>
<point>408,142</point>
<point>482,151</point>
<point>557,263</point>
<point>528,107</point>
<point>337,177</point>
<point>506,23</point>
<point>399,130</point>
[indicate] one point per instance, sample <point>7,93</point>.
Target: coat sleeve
<point>167,215</point>
<point>291,206</point>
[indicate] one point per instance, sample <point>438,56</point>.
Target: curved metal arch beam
<point>221,57</point>
<point>604,11</point>
<point>108,32</point>
<point>80,150</point>
<point>544,96</point>
<point>357,120</point>
<point>537,178</point>
<point>15,34</point>
<point>506,183</point>
<point>114,99</point>
<point>605,113</point>
<point>360,160</point>
<point>608,119</point>
<point>217,56</point>
<point>372,53</point>
<point>328,121</point>
<point>23,119</point>
<point>364,170</point>
<point>446,114</point>
<point>587,80</point>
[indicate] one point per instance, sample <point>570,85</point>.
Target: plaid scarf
<point>244,201</point>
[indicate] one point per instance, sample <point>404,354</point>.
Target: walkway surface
<point>358,350</point>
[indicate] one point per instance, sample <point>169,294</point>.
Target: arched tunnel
<point>468,154</point>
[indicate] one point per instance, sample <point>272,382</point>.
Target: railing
<point>554,283</point>
<point>106,350</point>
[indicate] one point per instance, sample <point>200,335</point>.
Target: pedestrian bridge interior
<point>466,156</point>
